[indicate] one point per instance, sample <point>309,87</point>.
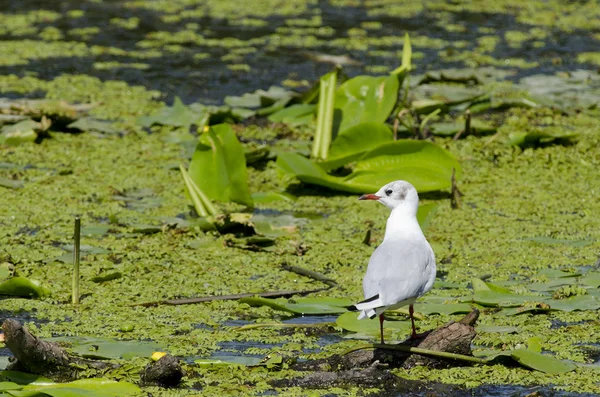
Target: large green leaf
<point>201,202</point>
<point>218,166</point>
<point>21,132</point>
<point>298,114</point>
<point>540,138</point>
<point>302,306</point>
<point>451,128</point>
<point>94,387</point>
<point>352,143</point>
<point>23,287</point>
<point>23,378</point>
<point>500,299</point>
<point>580,302</point>
<point>177,115</point>
<point>106,348</point>
<point>480,285</point>
<point>425,214</point>
<point>268,101</point>
<point>366,98</point>
<point>424,164</point>
<point>309,172</point>
<point>541,362</point>
<point>350,322</point>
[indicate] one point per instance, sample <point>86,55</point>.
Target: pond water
<point>204,51</point>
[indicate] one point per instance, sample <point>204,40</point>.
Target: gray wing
<point>399,270</point>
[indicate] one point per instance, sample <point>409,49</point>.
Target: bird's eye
<point>389,192</point>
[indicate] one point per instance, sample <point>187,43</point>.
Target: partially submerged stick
<point>270,294</point>
<point>310,273</point>
<point>202,299</point>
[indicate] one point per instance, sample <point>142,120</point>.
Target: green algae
<point>511,195</point>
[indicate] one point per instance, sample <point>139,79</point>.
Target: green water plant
<point>325,112</point>
<point>218,167</point>
<point>20,384</point>
<point>351,130</point>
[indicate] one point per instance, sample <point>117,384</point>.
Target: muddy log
<point>165,372</point>
<point>49,359</point>
<point>363,367</point>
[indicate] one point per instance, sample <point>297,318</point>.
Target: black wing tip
<point>352,308</point>
<point>371,299</point>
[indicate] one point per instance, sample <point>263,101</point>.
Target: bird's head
<point>397,194</point>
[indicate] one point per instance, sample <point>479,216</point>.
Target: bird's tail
<point>368,307</point>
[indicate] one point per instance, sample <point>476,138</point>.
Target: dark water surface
<point>209,80</point>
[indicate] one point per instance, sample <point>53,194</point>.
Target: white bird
<point>402,268</point>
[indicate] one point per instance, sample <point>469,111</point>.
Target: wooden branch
<point>310,273</point>
<point>202,299</point>
<point>270,294</point>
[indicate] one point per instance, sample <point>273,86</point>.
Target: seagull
<point>402,268</point>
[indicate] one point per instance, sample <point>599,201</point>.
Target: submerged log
<point>166,372</point>
<point>354,368</point>
<point>40,357</point>
<point>49,359</point>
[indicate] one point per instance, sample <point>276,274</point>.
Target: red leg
<point>411,310</point>
<point>381,327</point>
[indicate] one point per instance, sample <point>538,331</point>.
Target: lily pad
<point>591,279</point>
<point>107,277</point>
<point>274,99</point>
<point>177,115</point>
<point>500,299</point>
<point>451,128</point>
<point>93,387</point>
<point>107,349</point>
<point>541,362</point>
<point>24,378</point>
<point>480,285</point>
<point>95,230</point>
<point>302,306</point>
<point>558,273</point>
<point>275,226</point>
<point>299,114</point>
<point>92,124</point>
<point>580,302</point>
<point>540,138</point>
<point>21,132</point>
<point>11,183</point>
<point>23,287</point>
<point>350,322</point>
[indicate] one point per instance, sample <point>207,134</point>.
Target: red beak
<point>369,197</point>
